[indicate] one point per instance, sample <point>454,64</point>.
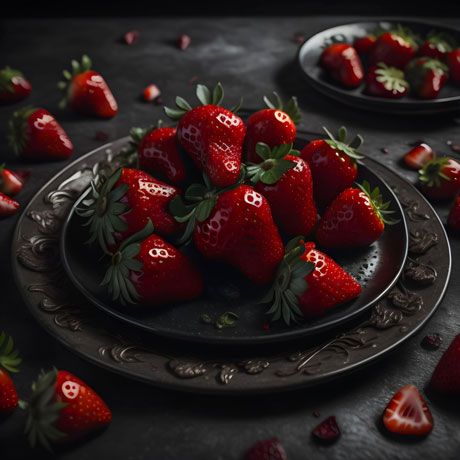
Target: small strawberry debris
<point>446,376</point>
<point>151,93</point>
<point>407,413</point>
<point>131,37</point>
<point>453,219</point>
<point>10,183</point>
<point>298,38</point>
<point>417,157</point>
<point>14,87</point>
<point>101,136</point>
<point>192,80</point>
<point>384,150</point>
<point>327,430</point>
<point>316,414</point>
<point>268,449</point>
<point>183,41</point>
<point>432,341</point>
<point>9,362</point>
<point>8,206</point>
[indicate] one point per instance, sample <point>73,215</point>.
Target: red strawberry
<point>285,181</point>
<point>35,134</point>
<point>446,376</point>
<point>343,64</point>
<point>125,203</point>
<point>453,63</point>
<point>8,206</point>
<point>10,183</point>
<point>87,92</point>
<point>395,48</point>
<point>453,220</point>
<point>63,408</point>
<point>273,126</point>
<point>355,218</point>
<point>151,93</point>
<point>9,362</point>
<point>436,46</point>
<point>234,226</point>
<point>148,270</point>
<point>308,283</point>
<point>407,413</point>
<point>13,86</point>
<point>440,178</point>
<point>426,77</point>
<point>211,135</point>
<point>268,449</point>
<point>417,157</point>
<point>384,81</point>
<point>364,44</point>
<point>333,164</point>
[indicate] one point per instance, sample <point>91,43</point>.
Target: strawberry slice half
<point>419,156</point>
<point>8,206</point>
<point>407,413</point>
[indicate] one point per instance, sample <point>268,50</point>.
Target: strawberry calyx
<point>340,143</point>
<point>376,200</point>
<point>289,283</point>
<point>205,96</point>
<point>291,107</point>
<point>9,356</point>
<point>42,411</point>
<point>274,165</point>
<point>200,201</point>
<point>406,34</point>
<point>136,134</point>
<point>117,277</point>
<point>443,42</point>
<point>77,68</point>
<point>418,68</point>
<point>17,125</point>
<point>431,173</point>
<point>103,210</point>
<point>6,76</point>
<point>391,78</point>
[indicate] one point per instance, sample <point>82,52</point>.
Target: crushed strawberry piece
<point>183,41</point>
<point>131,37</point>
<point>327,430</point>
<point>101,136</point>
<point>432,341</point>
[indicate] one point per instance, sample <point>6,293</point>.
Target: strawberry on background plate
<point>273,126</point>
<point>63,408</point>
<point>147,270</point>
<point>333,164</point>
<point>453,63</point>
<point>10,183</point>
<point>343,64</point>
<point>385,81</point>
<point>453,220</point>
<point>426,77</point>
<point>8,206</point>
<point>9,362</point>
<point>417,157</point>
<point>308,283</point>
<point>268,449</point>
<point>437,45</point>
<point>355,218</point>
<point>407,413</point>
<point>440,178</point>
<point>363,45</point>
<point>14,87</point>
<point>35,134</point>
<point>285,181</point>
<point>86,91</point>
<point>446,376</point>
<point>211,135</point>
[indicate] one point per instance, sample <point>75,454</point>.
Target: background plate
<point>376,267</point>
<point>311,49</point>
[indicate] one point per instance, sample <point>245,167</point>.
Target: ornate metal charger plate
<point>70,318</point>
<point>377,268</point>
<point>310,51</point>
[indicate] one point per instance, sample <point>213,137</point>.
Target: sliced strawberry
<point>9,362</point>
<point>268,449</point>
<point>453,220</point>
<point>407,413</point>
<point>13,86</point>
<point>10,183</point>
<point>440,178</point>
<point>8,206</point>
<point>419,156</point>
<point>151,92</point>
<point>446,376</point>
<point>327,430</point>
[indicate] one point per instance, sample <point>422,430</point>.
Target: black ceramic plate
<point>311,49</point>
<point>376,267</point>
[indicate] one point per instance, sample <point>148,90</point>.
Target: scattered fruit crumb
<point>151,93</point>
<point>102,136</point>
<point>298,38</point>
<point>432,341</point>
<point>327,430</point>
<point>268,449</point>
<point>192,79</point>
<point>183,42</point>
<point>131,37</point>
<point>316,413</point>
<point>384,150</point>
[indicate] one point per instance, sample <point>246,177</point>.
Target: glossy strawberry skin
<point>374,87</point>
<point>407,413</point>
<point>343,64</point>
<point>447,188</point>
<point>85,410</point>
<point>453,220</point>
<point>148,198</point>
<point>21,88</point>
<point>89,94</point>
<point>328,284</point>
<point>332,171</point>
<point>446,376</point>
<point>363,45</point>
<point>453,62</point>
<point>167,275</point>
<point>291,199</point>
<point>158,152</point>
<point>273,127</point>
<point>432,84</point>
<point>392,50</point>
<point>418,156</point>
<point>213,137</point>
<point>10,183</point>
<point>349,221</point>
<point>8,206</point>
<point>240,231</point>
<point>8,393</point>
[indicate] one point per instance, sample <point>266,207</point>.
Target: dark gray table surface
<point>251,57</point>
